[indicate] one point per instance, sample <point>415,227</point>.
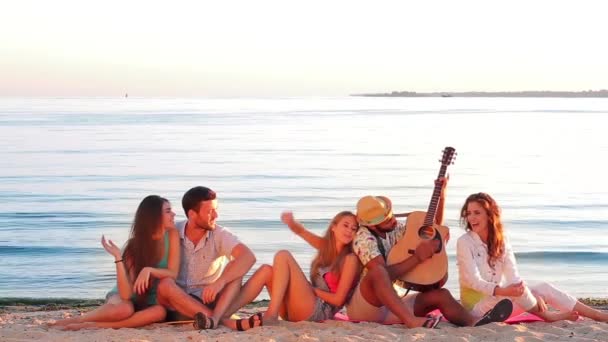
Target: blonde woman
<point>334,272</point>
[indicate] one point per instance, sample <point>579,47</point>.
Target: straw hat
<point>374,210</point>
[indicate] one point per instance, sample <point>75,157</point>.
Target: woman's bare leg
<point>149,315</point>
<point>589,312</point>
<point>554,316</point>
<point>261,278</point>
<point>289,283</point>
<point>115,309</point>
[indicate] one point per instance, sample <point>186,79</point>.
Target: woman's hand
<point>290,221</point>
<point>513,290</point>
<point>143,280</point>
<point>111,248</point>
<point>540,303</point>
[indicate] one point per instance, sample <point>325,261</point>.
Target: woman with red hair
<point>488,270</point>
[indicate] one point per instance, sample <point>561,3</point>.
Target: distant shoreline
<point>577,94</point>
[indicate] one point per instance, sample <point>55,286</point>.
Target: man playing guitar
<point>376,300</point>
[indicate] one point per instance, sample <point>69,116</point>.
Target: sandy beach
<point>27,323</point>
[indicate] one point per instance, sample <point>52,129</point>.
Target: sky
<point>299,48</point>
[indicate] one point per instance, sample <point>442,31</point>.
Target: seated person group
<point>194,270</point>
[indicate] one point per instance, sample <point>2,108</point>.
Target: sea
<point>72,169</point>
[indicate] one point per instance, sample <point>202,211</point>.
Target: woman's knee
<point>542,288</point>
<point>283,255</point>
<point>160,313</point>
<point>123,310</point>
<point>165,286</point>
<point>266,271</point>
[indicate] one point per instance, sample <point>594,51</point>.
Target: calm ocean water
<point>73,169</point>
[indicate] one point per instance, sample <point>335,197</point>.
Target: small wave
<point>565,256</point>
<point>561,223</point>
<point>42,215</point>
<point>47,250</point>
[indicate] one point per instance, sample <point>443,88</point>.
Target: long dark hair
<point>496,236</point>
<point>141,250</point>
<point>328,254</point>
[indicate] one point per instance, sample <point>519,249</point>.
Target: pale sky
<point>304,48</point>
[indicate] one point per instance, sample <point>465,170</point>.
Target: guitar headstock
<point>449,156</point>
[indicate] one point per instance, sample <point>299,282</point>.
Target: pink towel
<point>521,318</point>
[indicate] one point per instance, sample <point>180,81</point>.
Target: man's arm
<point>424,251</point>
<point>242,261</point>
<point>441,204</point>
<point>395,270</point>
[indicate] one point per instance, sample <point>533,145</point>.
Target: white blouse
<point>474,271</point>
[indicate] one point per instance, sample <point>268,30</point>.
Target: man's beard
<point>386,230</point>
<point>205,227</point>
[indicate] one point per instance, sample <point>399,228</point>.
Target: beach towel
<point>521,318</point>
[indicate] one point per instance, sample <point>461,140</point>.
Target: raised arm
<point>441,205</point>
<point>123,282</point>
<point>350,271</point>
<point>313,239</point>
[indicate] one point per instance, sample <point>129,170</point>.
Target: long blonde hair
<point>328,255</point>
<point>496,236</point>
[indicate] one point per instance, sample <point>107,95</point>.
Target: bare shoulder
<point>173,233</point>
<point>351,258</point>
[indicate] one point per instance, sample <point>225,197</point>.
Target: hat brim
<point>381,219</point>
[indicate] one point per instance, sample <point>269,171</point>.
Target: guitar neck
<point>430,213</point>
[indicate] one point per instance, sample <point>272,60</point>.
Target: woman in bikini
<point>150,254</point>
<point>488,270</point>
<point>334,272</point>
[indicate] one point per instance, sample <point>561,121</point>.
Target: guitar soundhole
<point>426,233</point>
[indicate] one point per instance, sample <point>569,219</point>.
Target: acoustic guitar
<point>420,226</point>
